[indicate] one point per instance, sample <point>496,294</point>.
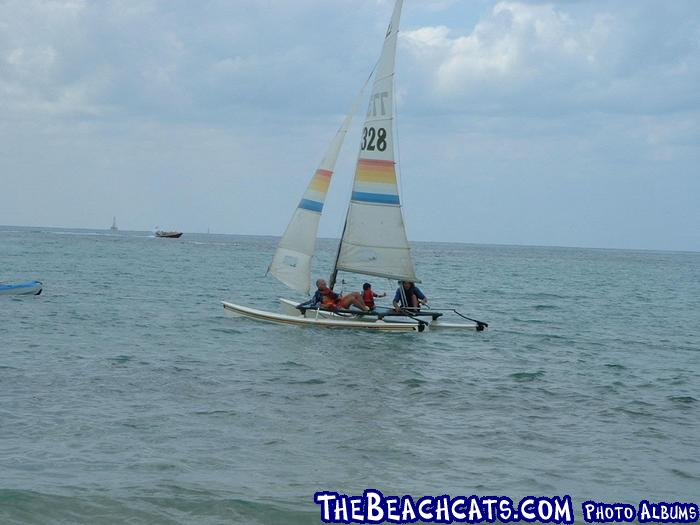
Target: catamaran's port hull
<point>321,322</point>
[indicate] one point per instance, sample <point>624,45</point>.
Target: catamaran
<point>373,241</point>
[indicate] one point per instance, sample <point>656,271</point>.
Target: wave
<point>524,377</point>
<point>185,506</point>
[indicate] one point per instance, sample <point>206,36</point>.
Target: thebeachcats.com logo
<point>375,507</point>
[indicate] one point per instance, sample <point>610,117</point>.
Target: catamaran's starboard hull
<point>290,308</point>
<point>26,288</point>
<point>322,322</point>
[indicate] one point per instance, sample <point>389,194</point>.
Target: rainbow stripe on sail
<point>315,194</point>
<point>375,182</point>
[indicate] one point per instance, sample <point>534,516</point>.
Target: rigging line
<point>334,272</point>
<point>398,164</point>
<point>358,99</point>
<point>397,142</point>
<point>481,323</point>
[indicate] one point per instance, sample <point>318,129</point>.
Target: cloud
<point>545,58</point>
<point>215,60</point>
<point>519,111</point>
<point>178,60</point>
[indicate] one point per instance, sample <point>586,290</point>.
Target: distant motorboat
<point>168,235</point>
<point>25,288</point>
<point>114,225</point>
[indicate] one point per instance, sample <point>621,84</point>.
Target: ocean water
<point>128,396</point>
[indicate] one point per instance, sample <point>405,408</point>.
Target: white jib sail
<point>374,238</point>
<point>291,263</point>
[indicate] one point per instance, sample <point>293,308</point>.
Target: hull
<point>169,235</point>
<point>322,322</point>
<point>26,288</point>
<point>290,308</point>
<point>292,316</point>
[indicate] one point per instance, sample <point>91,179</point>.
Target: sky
<point>570,123</point>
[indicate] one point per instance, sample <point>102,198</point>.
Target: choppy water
<point>126,394</point>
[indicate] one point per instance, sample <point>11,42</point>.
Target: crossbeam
<point>374,313</point>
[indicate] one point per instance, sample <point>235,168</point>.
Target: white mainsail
<point>291,263</point>
<point>374,238</point>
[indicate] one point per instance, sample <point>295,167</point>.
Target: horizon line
<point>337,239</point>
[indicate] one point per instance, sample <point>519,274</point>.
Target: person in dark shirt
<point>414,297</point>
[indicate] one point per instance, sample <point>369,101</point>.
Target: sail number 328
<point>373,139</point>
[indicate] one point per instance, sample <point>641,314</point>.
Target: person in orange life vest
<point>327,299</point>
<point>368,295</point>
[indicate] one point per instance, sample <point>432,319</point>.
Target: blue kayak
<point>26,288</point>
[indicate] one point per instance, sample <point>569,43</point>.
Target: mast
<point>334,273</point>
